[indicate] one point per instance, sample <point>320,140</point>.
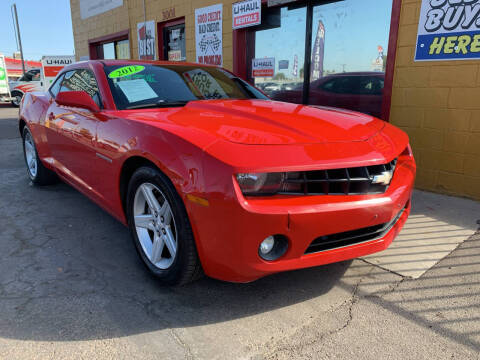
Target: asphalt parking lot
<point>72,287</point>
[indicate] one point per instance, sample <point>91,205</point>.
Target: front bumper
<point>230,229</point>
<point>6,98</point>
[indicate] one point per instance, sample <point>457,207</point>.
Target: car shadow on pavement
<point>69,271</point>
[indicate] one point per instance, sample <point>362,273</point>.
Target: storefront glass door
<point>349,52</point>
<point>282,37</point>
<point>174,40</point>
<point>346,43</point>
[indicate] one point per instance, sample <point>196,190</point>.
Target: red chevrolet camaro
<point>211,176</point>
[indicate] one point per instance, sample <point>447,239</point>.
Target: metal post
<point>308,54</point>
<point>145,26</point>
<point>19,37</point>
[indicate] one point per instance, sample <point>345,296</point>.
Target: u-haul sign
<point>264,67</point>
<point>246,13</point>
<point>51,66</point>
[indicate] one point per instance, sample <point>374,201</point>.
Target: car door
<point>72,131</point>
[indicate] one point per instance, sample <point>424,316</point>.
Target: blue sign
<point>448,30</point>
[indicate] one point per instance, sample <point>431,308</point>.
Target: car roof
<point>359,73</point>
<point>144,62</point>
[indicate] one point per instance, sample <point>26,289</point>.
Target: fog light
<point>267,245</point>
<point>273,247</point>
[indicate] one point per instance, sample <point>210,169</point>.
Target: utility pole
<point>145,26</point>
<point>14,7</point>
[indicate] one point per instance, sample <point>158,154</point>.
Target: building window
<point>122,49</point>
<point>116,46</point>
<point>171,40</point>
<point>329,53</point>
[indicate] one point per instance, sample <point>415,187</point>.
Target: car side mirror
<point>78,99</point>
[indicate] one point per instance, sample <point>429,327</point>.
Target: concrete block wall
<point>438,104</point>
<point>131,13</point>
<point>107,23</point>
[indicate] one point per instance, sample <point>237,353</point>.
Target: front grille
<point>347,238</point>
<point>346,181</point>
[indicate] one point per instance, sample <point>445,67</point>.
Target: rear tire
<point>160,228</point>
<point>37,172</point>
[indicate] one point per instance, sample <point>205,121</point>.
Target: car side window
<point>82,80</point>
<point>370,86</point>
<point>328,86</point>
<point>342,85</point>
<point>56,86</point>
<point>26,77</point>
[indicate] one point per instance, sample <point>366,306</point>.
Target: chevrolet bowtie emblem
<point>383,179</point>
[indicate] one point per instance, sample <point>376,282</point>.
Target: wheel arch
<point>136,161</point>
<point>129,167</point>
<point>21,125</point>
<point>17,91</point>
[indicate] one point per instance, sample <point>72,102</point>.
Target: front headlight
<point>260,183</point>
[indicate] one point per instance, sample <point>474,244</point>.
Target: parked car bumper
<point>229,231</point>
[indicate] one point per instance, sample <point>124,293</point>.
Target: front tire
<point>37,172</point>
<point>17,98</point>
<point>160,228</point>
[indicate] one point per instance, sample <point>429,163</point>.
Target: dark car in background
<point>358,91</point>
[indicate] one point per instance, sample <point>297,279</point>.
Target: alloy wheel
<point>17,100</point>
<point>155,225</point>
<point>30,155</point>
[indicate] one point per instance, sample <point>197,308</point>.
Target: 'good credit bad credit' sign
<point>246,13</point>
<point>208,34</point>
<point>448,30</point>
<point>264,67</point>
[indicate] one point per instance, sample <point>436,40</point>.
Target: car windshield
<point>144,85</point>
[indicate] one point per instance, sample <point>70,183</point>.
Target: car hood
<point>261,122</point>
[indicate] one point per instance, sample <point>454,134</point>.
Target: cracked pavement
<point>72,287</point>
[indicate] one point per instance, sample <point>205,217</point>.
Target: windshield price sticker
<point>264,67</point>
<point>126,71</point>
<point>448,30</point>
<point>137,90</point>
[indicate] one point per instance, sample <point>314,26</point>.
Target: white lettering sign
<point>90,8</point>
<point>51,66</point>
<point>448,30</point>
<point>264,67</point>
<point>246,13</point>
<point>146,40</point>
<point>208,35</point>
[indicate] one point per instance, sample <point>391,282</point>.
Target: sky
<point>353,31</point>
<point>45,27</point>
